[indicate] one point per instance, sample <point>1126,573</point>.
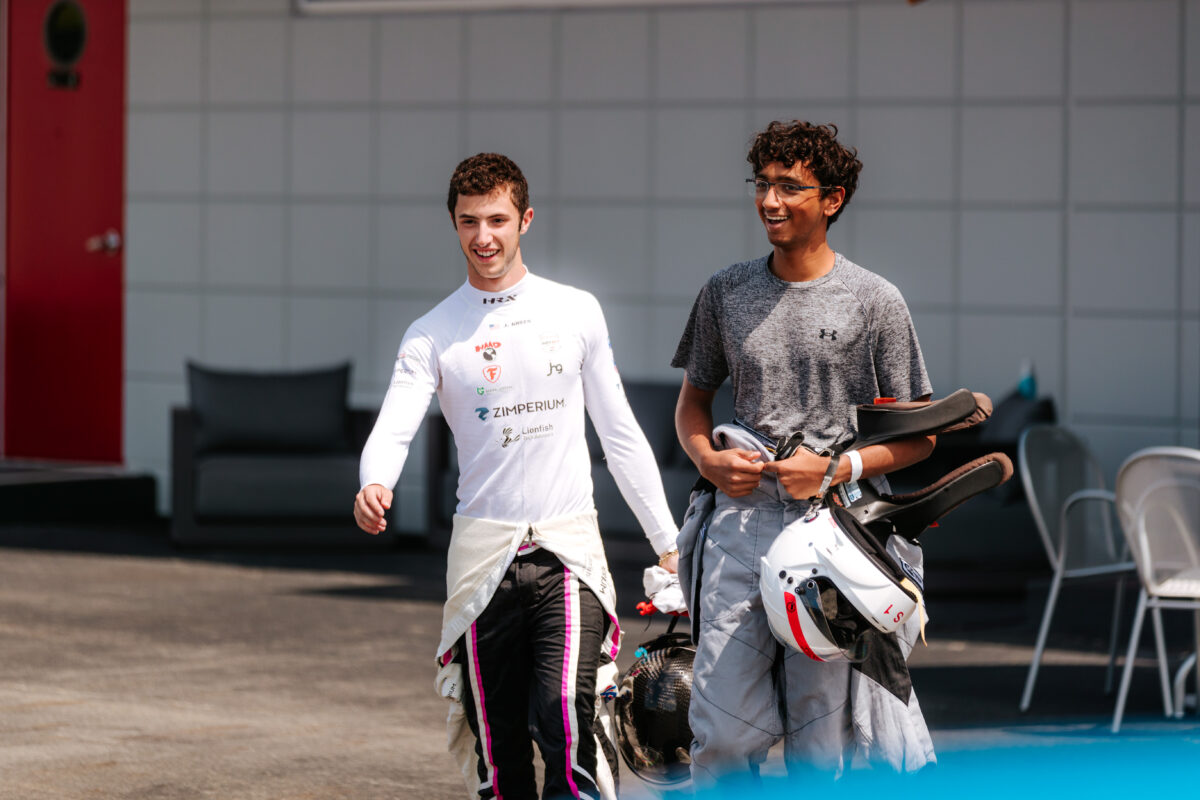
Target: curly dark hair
<point>814,146</point>
<point>483,173</point>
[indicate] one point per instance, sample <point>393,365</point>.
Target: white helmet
<point>827,581</point>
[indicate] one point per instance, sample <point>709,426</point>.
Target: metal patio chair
<point>1072,511</point>
<point>1158,503</point>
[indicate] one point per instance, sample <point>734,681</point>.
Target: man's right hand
<point>735,472</point>
<point>369,505</point>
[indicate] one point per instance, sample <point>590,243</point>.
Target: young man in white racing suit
<point>804,335</point>
<point>515,360</point>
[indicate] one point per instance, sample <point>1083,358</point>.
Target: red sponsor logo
<point>491,373</point>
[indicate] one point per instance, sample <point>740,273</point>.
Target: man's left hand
<point>800,474</point>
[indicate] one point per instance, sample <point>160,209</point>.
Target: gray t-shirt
<point>802,355</point>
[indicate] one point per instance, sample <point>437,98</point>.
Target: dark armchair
<point>267,458</point>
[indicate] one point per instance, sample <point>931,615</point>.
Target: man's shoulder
<point>443,318</point>
<point>864,283</point>
<point>739,275</point>
<point>563,297</point>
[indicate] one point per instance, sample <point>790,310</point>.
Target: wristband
<point>829,473</point>
<point>855,465</point>
<point>674,551</point>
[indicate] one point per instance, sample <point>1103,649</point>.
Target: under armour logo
<point>482,412</point>
<point>832,334</point>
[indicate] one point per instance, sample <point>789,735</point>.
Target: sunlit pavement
<point>129,669</point>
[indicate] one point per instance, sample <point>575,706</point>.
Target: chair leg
<point>1114,636</point>
<point>1180,679</point>
<point>1159,644</point>
<point>1127,672</point>
<point>1043,632</point>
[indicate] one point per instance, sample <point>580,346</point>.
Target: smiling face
<point>799,222</point>
<point>489,232</point>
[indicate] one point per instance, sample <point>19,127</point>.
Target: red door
<point>64,212</point>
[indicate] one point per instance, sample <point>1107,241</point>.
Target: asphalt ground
<point>132,669</point>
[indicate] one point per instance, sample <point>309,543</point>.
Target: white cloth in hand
<point>662,589</point>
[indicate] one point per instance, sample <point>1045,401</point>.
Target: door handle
<point>108,243</point>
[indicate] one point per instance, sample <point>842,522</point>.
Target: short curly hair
<point>814,146</point>
<point>484,173</point>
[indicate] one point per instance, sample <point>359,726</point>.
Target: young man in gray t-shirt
<point>804,335</point>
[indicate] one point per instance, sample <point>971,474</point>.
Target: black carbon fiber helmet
<point>653,735</point>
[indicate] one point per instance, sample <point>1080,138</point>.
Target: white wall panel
<point>418,151</point>
<point>1013,49</point>
<point>523,136</point>
<point>1123,260</point>
<point>1146,139</point>
<point>164,8</point>
<point>407,70</point>
<point>693,243</point>
<point>1192,52</point>
<point>935,333</point>
<point>629,332</point>
<point>992,347</point>
<point>700,55</point>
<point>1012,154</point>
<point>331,153</point>
<point>245,245</point>
<point>328,330</point>
<point>247,61</point>
<point>802,53</point>
<point>147,427</point>
<point>605,249</point>
<point>1122,366</point>
<point>244,331</point>
<point>701,154</point>
<point>331,60</point>
<point>1189,377</point>
<point>163,152</point>
<point>589,69</point>
<point>330,246</point>
<point>666,326</point>
<point>907,154</point>
<point>1112,444</point>
<point>906,51</point>
<point>1191,262</point>
<point>162,330</point>
<point>162,243</point>
<point>1123,48</point>
<point>245,152</point>
<point>418,249</point>
<point>537,246</point>
<point>604,154</point>
<point>257,7</point>
<point>1191,155</point>
<point>1011,258</point>
<point>164,61</point>
<point>508,57</point>
<point>912,249</point>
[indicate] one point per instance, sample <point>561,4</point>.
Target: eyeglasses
<point>759,187</point>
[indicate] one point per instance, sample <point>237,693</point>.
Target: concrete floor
<point>129,669</point>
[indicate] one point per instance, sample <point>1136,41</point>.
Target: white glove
<point>662,589</point>
<point>449,681</point>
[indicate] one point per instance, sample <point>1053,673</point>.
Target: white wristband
<point>855,465</point>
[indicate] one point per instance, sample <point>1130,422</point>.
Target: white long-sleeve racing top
<point>514,372</point>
